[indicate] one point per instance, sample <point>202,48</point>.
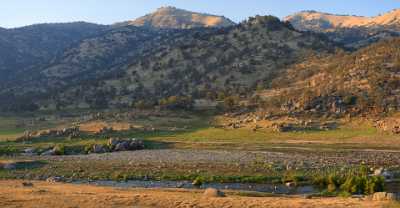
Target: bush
<point>8,150</point>
<point>88,148</point>
<point>352,182</point>
<point>59,149</point>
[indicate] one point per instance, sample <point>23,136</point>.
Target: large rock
<point>384,196</point>
<point>212,192</point>
<point>55,179</point>
<point>49,152</point>
<point>98,148</point>
<point>122,146</point>
<point>125,144</point>
<point>30,152</point>
<point>136,144</point>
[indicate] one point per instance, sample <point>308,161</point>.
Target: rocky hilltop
<point>352,31</point>
<point>171,17</point>
<point>323,22</point>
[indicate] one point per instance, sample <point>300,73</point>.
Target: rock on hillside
<point>171,17</point>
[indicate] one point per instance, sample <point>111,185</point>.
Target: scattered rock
<point>98,148</point>
<point>55,179</point>
<point>10,166</point>
<point>49,152</point>
<point>125,144</point>
<point>212,192</point>
<point>27,184</point>
<point>112,142</point>
<point>30,150</point>
<point>384,173</point>
<point>290,184</point>
<point>122,146</point>
<point>307,196</point>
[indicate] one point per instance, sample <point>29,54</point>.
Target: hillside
<point>22,49</point>
<point>351,31</point>
<point>365,82</point>
<point>173,18</point>
<point>131,64</point>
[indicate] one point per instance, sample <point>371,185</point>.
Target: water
<point>264,188</point>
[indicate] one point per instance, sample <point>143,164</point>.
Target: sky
<point>16,13</point>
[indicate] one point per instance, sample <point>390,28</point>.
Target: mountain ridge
<point>321,21</point>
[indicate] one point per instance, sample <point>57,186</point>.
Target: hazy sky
<point>15,13</point>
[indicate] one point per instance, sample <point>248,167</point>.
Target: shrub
<point>88,148</point>
<point>8,150</point>
<point>59,149</point>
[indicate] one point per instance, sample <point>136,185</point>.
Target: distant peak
<point>175,18</point>
<point>320,21</point>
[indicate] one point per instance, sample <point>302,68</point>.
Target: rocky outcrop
<point>71,132</point>
<point>116,144</point>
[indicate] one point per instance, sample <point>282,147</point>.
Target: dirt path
<point>45,195</point>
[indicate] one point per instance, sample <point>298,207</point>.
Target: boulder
<point>54,179</point>
<point>125,144</point>
<point>136,144</point>
<point>290,184</point>
<point>30,150</point>
<point>384,196</point>
<point>98,148</point>
<point>49,152</point>
<point>212,192</point>
<point>122,146</point>
<point>27,184</point>
<point>112,142</point>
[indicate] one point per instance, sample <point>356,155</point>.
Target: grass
<point>199,135</point>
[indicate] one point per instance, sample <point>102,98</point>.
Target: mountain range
<point>174,53</point>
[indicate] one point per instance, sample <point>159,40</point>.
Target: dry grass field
<point>46,195</point>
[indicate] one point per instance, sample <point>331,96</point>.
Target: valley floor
<point>46,195</point>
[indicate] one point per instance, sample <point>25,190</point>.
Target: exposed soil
<point>46,195</point>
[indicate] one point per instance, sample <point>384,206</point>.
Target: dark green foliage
<point>352,182</point>
<point>59,149</point>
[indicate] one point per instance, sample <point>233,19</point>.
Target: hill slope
<point>22,49</point>
<point>173,18</point>
<point>130,64</point>
<point>364,82</point>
